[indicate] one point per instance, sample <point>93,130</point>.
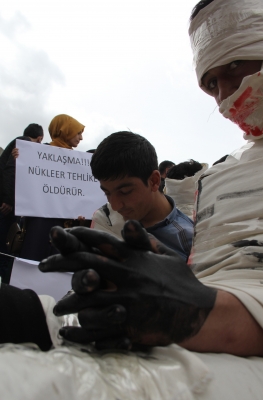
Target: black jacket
<point>8,172</point>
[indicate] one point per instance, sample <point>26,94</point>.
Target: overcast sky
<point>113,65</point>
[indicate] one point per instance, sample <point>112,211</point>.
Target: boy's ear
<point>155,180</point>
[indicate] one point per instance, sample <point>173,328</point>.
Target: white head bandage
<point>225,31</point>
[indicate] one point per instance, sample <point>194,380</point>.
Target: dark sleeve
<point>9,174</point>
<point>22,318</point>
<point>8,167</point>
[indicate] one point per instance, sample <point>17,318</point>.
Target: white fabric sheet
<point>26,275</point>
<point>67,373</point>
<point>169,373</point>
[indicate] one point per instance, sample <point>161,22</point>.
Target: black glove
<point>152,299</point>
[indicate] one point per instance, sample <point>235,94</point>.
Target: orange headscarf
<point>63,128</point>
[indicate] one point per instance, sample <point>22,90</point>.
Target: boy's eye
<point>124,193</point>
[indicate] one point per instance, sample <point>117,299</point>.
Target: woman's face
<point>73,142</point>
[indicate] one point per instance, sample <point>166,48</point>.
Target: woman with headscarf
<point>65,132</point>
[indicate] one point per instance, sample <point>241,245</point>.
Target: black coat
<point>8,172</point>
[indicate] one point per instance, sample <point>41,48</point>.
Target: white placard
<point>52,182</point>
<point>26,275</point>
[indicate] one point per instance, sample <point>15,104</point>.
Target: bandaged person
<point>227,254</point>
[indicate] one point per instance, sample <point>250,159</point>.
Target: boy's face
<point>221,82</point>
<point>130,197</point>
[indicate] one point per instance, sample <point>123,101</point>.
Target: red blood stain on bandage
<point>255,131</point>
<point>241,100</point>
<point>242,109</point>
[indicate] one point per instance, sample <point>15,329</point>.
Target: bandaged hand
<point>135,291</point>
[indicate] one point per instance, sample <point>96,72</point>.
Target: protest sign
<point>26,275</point>
<point>53,182</point>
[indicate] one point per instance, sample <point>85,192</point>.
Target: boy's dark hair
<point>184,169</point>
<point>124,154</point>
<point>165,164</point>
<point>33,131</point>
<point>198,7</point>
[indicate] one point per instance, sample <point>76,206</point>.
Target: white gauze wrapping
<point>245,106</point>
<point>225,31</point>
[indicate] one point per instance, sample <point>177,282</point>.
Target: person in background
<point>33,133</point>
<point>163,168</point>
<point>126,165</point>
<point>65,132</point>
<point>181,184</point>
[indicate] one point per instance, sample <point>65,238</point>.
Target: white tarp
<point>167,373</point>
<point>53,182</point>
<point>67,373</point>
<point>26,275</point>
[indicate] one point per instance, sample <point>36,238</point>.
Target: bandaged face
<point>238,89</point>
<point>227,41</point>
